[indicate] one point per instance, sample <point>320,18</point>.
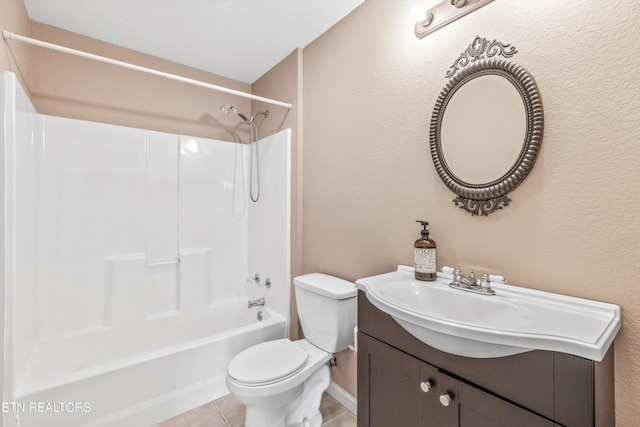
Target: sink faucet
<point>470,280</point>
<point>256,302</point>
<point>471,284</point>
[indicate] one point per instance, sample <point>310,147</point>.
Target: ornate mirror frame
<point>484,57</point>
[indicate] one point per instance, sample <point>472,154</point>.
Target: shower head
<point>226,108</point>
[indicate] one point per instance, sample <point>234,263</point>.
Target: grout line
<point>215,405</point>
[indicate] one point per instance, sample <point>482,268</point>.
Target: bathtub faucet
<point>256,302</point>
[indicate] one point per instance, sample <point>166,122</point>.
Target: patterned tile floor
<point>228,412</point>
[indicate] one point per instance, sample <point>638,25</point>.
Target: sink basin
<point>515,320</point>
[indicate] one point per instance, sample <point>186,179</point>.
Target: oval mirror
<point>486,127</point>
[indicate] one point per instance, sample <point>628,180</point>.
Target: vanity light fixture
<point>443,13</point>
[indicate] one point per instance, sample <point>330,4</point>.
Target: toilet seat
<point>267,363</point>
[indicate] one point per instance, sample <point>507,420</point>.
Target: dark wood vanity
<point>404,382</point>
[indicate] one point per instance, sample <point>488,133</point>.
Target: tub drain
<point>260,316</point>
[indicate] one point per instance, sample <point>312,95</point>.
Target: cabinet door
<point>394,390</point>
<point>439,398</point>
<point>429,406</point>
<point>480,409</point>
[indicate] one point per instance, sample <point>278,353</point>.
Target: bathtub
<point>141,375</point>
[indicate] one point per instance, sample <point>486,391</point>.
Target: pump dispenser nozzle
<point>424,227</point>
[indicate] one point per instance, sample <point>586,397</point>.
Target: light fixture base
<point>428,19</point>
<point>446,12</point>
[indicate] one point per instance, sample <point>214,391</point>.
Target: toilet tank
<point>327,308</point>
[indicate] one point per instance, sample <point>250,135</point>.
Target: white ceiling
<point>239,39</point>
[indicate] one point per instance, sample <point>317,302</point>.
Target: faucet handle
<point>457,276</point>
<point>448,270</point>
<point>484,283</point>
<point>472,278</point>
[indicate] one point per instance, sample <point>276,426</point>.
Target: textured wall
<point>572,228</point>
<point>368,90</point>
<point>69,86</point>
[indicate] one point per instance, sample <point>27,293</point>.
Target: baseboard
<point>345,399</point>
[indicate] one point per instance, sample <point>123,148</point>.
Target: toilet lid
<point>267,362</point>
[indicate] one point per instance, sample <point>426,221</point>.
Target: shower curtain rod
<point>8,35</point>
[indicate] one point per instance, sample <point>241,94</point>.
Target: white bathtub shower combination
<point>127,258</point>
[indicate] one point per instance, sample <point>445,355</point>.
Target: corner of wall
<point>284,82</point>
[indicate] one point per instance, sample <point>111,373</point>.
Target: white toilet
<point>281,382</point>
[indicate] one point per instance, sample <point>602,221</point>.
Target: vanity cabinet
<point>404,382</point>
<point>406,391</point>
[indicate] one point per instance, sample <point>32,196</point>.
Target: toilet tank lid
<point>328,286</point>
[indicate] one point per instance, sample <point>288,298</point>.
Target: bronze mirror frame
<point>484,57</point>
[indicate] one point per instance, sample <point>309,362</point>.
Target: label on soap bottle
<point>425,260</point>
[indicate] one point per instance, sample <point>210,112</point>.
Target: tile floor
<point>228,412</point>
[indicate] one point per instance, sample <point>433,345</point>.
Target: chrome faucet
<point>256,302</point>
<point>471,284</point>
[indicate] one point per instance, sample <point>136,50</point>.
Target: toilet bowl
<point>271,394</point>
<point>281,381</point>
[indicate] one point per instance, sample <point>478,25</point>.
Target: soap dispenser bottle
<point>424,255</point>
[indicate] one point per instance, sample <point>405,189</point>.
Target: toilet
<point>281,381</point>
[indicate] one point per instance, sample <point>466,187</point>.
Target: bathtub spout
<point>256,302</point>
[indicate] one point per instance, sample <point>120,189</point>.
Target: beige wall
<point>368,89</point>
<point>70,86</point>
<point>285,82</point>
<point>573,226</point>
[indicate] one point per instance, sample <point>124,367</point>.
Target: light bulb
<point>418,14</point>
<point>421,16</point>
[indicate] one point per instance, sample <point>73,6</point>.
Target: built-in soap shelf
<point>160,262</point>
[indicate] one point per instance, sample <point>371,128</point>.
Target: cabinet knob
<point>445,399</point>
<point>426,386</point>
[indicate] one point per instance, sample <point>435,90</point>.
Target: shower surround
<point>128,254</point>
